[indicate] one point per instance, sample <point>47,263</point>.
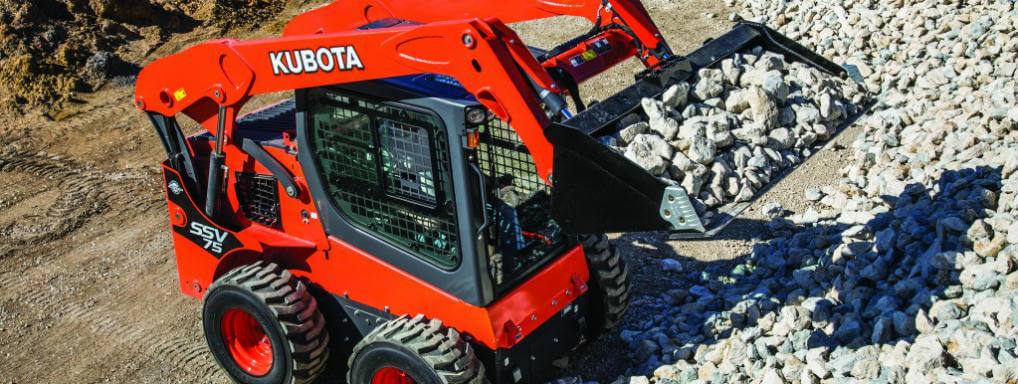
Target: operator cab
<point>389,162</point>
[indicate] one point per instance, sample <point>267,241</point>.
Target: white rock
<point>765,111</point>
<point>1012,233</point>
<point>649,152</point>
<point>814,194</point>
<point>709,85</point>
<point>666,127</point>
<point>682,162</point>
<point>772,210</point>
<point>671,265</point>
<point>856,218</point>
<point>828,109</point>
<point>629,133</point>
<point>676,95</point>
<point>772,376</point>
<point>737,101</point>
<point>775,86</point>
<point>702,150</point>
<point>692,183</point>
<point>653,108</point>
<point>731,71</point>
<point>926,354</point>
<point>781,139</point>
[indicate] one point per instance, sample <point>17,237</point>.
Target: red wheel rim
<point>247,342</point>
<point>391,376</point>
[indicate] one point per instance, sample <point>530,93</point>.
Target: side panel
<point>355,275</point>
<point>200,244</point>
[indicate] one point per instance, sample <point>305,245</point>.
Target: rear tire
<point>414,350</point>
<point>609,283</point>
<point>263,327</point>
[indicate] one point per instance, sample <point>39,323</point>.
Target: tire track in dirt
<point>98,115</point>
<point>103,321</point>
<point>83,193</point>
<point>185,353</point>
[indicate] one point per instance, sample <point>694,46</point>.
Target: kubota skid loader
<point>425,209</point>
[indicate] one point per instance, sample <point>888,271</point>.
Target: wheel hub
<point>390,375</point>
<point>247,342</point>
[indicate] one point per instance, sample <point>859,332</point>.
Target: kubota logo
<point>300,61</point>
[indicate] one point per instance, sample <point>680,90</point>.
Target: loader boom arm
<point>476,53</point>
<point>350,14</point>
<point>323,47</point>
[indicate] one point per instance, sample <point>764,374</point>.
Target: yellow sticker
<point>589,55</point>
<point>180,94</point>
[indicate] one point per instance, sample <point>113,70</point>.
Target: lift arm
<point>350,14</point>
<point>479,54</point>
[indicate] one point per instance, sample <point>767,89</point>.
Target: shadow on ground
<point>844,281</point>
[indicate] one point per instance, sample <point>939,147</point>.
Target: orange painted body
<point>347,271</point>
<point>480,52</point>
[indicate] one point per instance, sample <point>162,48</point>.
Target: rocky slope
<point>907,269</point>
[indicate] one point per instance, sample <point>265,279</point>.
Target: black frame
<point>468,281</point>
<point>439,212</point>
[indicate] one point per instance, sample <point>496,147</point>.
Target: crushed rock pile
<point>905,271</point>
<point>728,131</point>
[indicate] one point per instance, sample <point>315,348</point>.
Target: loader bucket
<point>599,190</point>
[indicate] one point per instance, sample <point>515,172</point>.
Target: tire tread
<point>612,279</point>
<point>287,297</point>
<point>441,347</point>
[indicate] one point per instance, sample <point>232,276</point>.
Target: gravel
<point>905,270</point>
<point>730,130</point>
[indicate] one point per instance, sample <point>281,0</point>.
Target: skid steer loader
<point>425,209</point>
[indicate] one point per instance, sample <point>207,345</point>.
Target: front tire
<point>609,283</point>
<point>414,350</point>
<point>263,327</point>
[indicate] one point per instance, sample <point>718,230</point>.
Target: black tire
<point>427,351</point>
<point>288,316</point>
<point>609,284</point>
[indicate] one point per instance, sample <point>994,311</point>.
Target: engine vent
<point>259,198</point>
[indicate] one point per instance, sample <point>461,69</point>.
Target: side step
<point>598,190</point>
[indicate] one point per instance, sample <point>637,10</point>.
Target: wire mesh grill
<point>374,168</point>
<point>504,156</point>
<point>259,198</point>
<point>524,235</point>
<point>406,161</point>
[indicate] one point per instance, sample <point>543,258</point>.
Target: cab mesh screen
<point>384,168</point>
<point>523,235</point>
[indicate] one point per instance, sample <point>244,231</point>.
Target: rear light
<point>473,138</point>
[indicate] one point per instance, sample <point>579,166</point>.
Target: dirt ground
<point>88,290</point>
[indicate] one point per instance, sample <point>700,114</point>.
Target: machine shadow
<point>886,270</point>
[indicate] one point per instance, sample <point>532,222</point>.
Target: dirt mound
<point>50,49</point>
<point>229,13</point>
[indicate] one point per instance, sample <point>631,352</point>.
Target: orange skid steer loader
<point>425,209</point>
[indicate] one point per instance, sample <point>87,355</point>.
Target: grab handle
<point>484,199</point>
